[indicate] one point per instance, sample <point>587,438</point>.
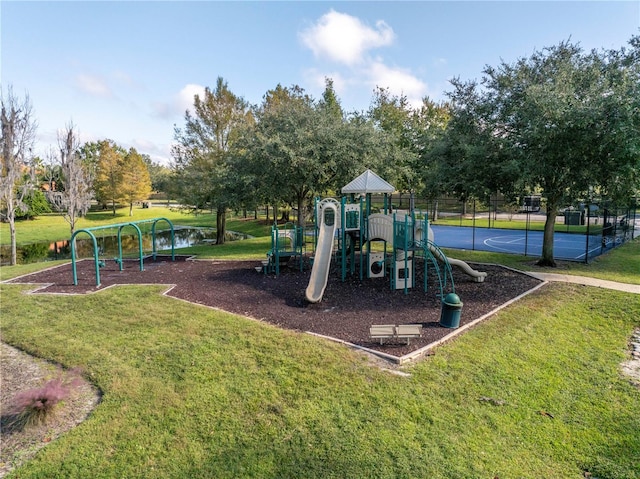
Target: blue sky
<point>128,70</point>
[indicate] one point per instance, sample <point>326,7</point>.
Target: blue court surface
<point>572,247</point>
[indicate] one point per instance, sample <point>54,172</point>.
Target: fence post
<point>473,229</point>
<point>526,232</point>
<point>586,252</point>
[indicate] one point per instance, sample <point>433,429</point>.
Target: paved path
<point>600,283</point>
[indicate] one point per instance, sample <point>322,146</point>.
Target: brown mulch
<point>346,311</point>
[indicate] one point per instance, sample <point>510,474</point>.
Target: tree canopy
<point>298,148</point>
<point>136,183</point>
<point>202,148</point>
<point>562,122</point>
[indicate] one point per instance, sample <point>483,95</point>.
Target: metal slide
<point>478,276</point>
<point>322,261</point>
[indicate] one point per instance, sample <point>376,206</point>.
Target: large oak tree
<point>562,121</point>
<point>299,148</point>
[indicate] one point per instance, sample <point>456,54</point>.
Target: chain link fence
<point>582,231</point>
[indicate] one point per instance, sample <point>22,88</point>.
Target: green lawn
<point>620,264</point>
<point>536,391</point>
<point>193,392</point>
<point>53,227</point>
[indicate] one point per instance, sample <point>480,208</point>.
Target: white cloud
<point>399,81</point>
<point>93,85</point>
<point>345,39</point>
<point>181,102</point>
<point>186,96</point>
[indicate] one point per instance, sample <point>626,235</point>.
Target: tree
<point>459,157</point>
<point>562,120</point>
<point>161,177</point>
<point>108,179</point>
<point>330,102</point>
<point>392,115</point>
<point>17,174</point>
<point>202,149</point>
<point>428,123</point>
<point>73,197</point>
<point>299,148</point>
<point>410,131</point>
<point>616,140</point>
<point>136,183</point>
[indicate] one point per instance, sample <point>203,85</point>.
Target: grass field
<point>53,227</point>
<point>621,264</point>
<point>536,391</point>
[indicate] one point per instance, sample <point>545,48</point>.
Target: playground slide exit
<point>477,276</point>
<point>322,261</point>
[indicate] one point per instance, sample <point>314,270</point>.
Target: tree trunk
<point>12,233</point>
<point>130,209</point>
<point>221,223</point>
<point>301,211</point>
<point>72,223</point>
<point>113,207</point>
<point>547,242</point>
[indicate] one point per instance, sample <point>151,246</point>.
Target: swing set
<point>119,259</point>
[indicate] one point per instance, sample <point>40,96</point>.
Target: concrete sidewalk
<point>598,283</point>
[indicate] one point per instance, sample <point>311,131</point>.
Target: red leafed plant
<point>38,404</point>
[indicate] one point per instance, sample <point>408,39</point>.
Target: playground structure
<point>119,259</point>
<point>392,244</point>
<point>286,243</point>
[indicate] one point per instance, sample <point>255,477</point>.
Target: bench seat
<point>394,332</point>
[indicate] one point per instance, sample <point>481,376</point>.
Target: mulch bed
<point>346,311</point>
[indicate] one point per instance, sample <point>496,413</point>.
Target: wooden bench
<point>395,332</point>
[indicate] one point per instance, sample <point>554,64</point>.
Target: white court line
<point>498,240</point>
<point>495,241</point>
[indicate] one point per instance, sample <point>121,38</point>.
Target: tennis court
<point>573,247</point>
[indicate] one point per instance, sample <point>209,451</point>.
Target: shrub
<point>35,406</point>
<point>37,205</point>
<point>35,252</point>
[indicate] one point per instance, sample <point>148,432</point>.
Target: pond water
<point>108,244</point>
